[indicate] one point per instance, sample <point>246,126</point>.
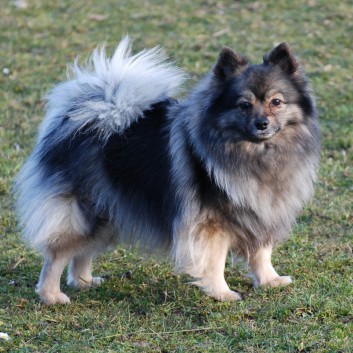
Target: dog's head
<point>257,102</point>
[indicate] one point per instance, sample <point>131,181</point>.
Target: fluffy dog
<point>119,161</point>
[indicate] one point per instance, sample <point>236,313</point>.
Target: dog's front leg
<point>202,255</point>
<point>262,270</point>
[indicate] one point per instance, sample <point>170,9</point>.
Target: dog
<point>120,160</point>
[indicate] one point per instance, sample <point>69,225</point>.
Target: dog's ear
<point>229,63</point>
<point>283,57</point>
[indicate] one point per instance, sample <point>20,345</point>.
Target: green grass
<point>155,311</point>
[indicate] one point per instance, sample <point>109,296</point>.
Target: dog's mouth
<point>262,135</point>
<point>251,134</point>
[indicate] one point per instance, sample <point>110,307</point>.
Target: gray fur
<point>110,94</point>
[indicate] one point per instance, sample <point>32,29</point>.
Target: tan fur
<point>263,271</point>
<point>204,259</point>
<point>77,249</point>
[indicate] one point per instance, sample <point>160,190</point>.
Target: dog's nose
<point>261,123</point>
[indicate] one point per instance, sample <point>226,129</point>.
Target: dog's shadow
<point>143,293</point>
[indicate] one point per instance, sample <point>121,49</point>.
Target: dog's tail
<point>109,94</point>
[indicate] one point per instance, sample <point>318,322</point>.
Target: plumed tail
<point>109,94</point>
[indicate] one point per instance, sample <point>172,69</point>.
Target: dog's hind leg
<point>80,272</point>
<point>263,271</point>
<point>80,268</point>
<point>48,286</point>
<point>60,234</point>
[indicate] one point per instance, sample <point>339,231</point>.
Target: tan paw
<point>50,298</point>
<point>81,283</point>
<point>225,296</point>
<point>97,281</point>
<point>280,281</point>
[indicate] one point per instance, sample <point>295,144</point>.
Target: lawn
<point>150,309</point>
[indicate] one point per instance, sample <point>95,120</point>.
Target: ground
<point>142,306</point>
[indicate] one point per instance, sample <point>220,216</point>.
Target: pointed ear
<point>283,57</point>
<point>228,64</point>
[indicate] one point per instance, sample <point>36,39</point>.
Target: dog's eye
<point>276,102</point>
<point>244,105</point>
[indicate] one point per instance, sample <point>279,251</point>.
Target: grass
<point>155,311</point>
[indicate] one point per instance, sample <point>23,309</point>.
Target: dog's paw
<point>81,283</point>
<point>97,281</point>
<point>226,296</point>
<point>50,298</point>
<point>280,281</point>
